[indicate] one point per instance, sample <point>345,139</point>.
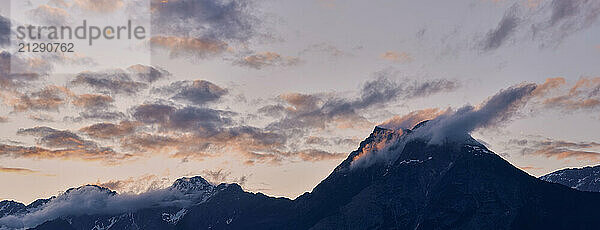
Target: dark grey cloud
<point>547,23</point>
<point>207,19</point>
<point>506,27</point>
<point>54,138</point>
<point>130,81</point>
<point>106,130</point>
<point>97,115</point>
<point>563,10</point>
<point>198,92</point>
<point>565,18</point>
<point>115,83</point>
<point>202,121</point>
<point>4,31</point>
<point>309,111</point>
<point>62,144</point>
<point>148,74</point>
<point>153,113</point>
<point>495,111</point>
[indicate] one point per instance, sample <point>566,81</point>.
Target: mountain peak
<point>89,188</point>
<point>192,185</point>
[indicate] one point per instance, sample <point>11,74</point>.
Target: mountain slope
<point>583,179</point>
<point>453,185</point>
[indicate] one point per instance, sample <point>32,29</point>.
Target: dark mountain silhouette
<point>394,180</point>
<point>583,179</point>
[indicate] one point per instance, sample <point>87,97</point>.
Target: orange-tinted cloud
<point>109,130</point>
<point>550,84</point>
<point>17,170</point>
<point>48,98</point>
<point>178,46</point>
<point>560,149</point>
<point>402,57</point>
<point>93,101</point>
<point>100,6</point>
<point>584,94</point>
<point>261,60</point>
<point>411,119</point>
<point>88,154</point>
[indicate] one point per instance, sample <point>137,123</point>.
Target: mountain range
<point>583,179</point>
<point>396,179</point>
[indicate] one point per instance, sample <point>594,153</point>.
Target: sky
<point>274,94</point>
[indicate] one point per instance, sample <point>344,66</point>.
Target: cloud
<point>57,138</point>
<point>40,117</point>
<point>411,119</point>
<point>49,15</point>
<point>495,111</point>
<point>267,59</point>
<point>394,56</point>
<point>17,71</point>
<point>65,144</point>
<point>17,170</point>
<point>95,200</point>
<point>112,82</point>
<point>566,18</point>
<point>547,22</point>
<point>153,113</point>
<point>4,31</point>
<point>136,185</point>
<point>186,46</point>
<point>206,19</point>
<point>110,130</point>
<point>548,85</point>
<point>584,94</point>
<point>558,149</point>
<point>48,99</point>
<point>326,48</point>
<point>201,121</point>
<point>318,110</point>
<point>89,154</point>
<point>120,81</point>
<point>96,115</point>
<point>318,155</point>
<point>506,28</point>
<point>449,126</point>
<point>148,74</point>
<point>99,6</point>
<point>93,101</point>
<point>198,92</point>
